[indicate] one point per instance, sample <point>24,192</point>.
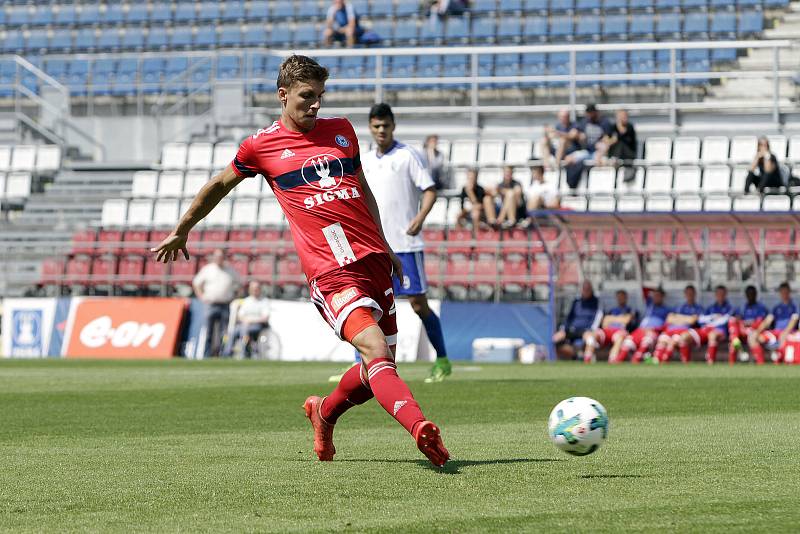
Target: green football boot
<point>440,370</point>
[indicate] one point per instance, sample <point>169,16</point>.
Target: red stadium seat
<point>154,271</point>
<point>433,270</point>
<point>240,242</point>
<point>600,242</point>
<point>83,242</point>
<point>719,241</point>
<point>270,241</point>
<point>458,271</point>
<point>459,241</point>
<point>157,236</point>
<point>741,243</point>
<point>263,269</point>
<point>434,240</point>
<point>778,241</point>
<point>104,270</point>
<point>212,239</point>
<point>687,245</point>
<point>515,274</point>
<point>567,274</point>
<point>240,265</point>
<point>656,242</point>
<point>543,239</point>
<point>52,271</point>
<point>485,271</point>
<point>130,269</point>
<point>515,243</point>
<point>77,271</point>
<point>290,273</point>
<point>135,242</point>
<point>109,242</point>
<point>182,271</point>
<point>487,242</point>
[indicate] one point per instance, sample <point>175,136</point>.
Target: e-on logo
<point>328,171</point>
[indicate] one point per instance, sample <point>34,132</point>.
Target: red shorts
<point>700,335</point>
<point>736,327</point>
<point>366,283</point>
<point>638,335</point>
<point>771,337</point>
<point>605,336</point>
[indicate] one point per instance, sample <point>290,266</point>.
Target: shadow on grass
<point>611,476</point>
<point>453,467</point>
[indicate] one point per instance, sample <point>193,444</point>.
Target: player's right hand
<point>397,266</point>
<point>168,249</point>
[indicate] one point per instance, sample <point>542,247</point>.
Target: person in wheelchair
<point>251,316</point>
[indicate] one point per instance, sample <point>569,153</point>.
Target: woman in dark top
<point>510,199</point>
<point>475,203</point>
<point>765,171</point>
<point>623,138</point>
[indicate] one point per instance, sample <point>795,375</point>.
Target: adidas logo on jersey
<point>287,154</point>
<point>398,405</point>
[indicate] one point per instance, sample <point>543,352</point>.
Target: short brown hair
<point>300,69</point>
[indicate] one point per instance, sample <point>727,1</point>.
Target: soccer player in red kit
<point>313,166</point>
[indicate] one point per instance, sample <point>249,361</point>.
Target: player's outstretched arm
<point>205,201</point>
<point>372,205</point>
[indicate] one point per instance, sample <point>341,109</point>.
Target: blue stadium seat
<point>206,37</point>
<point>561,6</point>
<point>66,14</point>
<point>152,72</point>
<point>17,16</point>
<point>729,5</point>
<point>483,6</point>
<point>42,16</point>
<point>124,83</point>
<point>137,14</point>
<point>588,28</point>
<point>255,35</point>
<point>353,66</point>
<point>506,65</point>
<point>456,30</point>
<point>483,29</point>
<point>380,8</point>
<point>540,7</point>
<point>615,5</point>
<point>723,24</point>
<point>691,5</point>
<point>306,34</point>
<point>511,6</point>
<point>642,62</point>
<point>161,14</point>
<point>280,35</point>
<point>109,39</point>
<point>535,28</point>
<point>282,11</point>
<point>695,24</point>
<point>429,65</point>
<point>185,13</point>
<point>156,39</point>
<point>668,25</point>
<point>585,6</point>
<point>615,27</point>
<point>587,63</point>
<point>456,66</point>
<point>723,55</point>
<point>102,71</point>
<point>430,33</point>
<point>615,62</point>
<point>750,22</point>
<point>695,60</point>
<point>509,30</point>
<point>406,9</point>
<point>114,14</point>
<point>89,14</point>
<point>330,63</point>
<point>642,26</point>
<point>405,31</point>
<point>776,3</point>
<point>58,69</point>
<point>641,5</point>
<point>231,11</point>
<point>13,42</point>
<point>561,27</point>
<point>230,35</point>
<point>133,38</point>
<point>208,11</point>
<point>533,65</point>
<point>384,28</point>
<point>181,37</point>
<point>175,65</point>
<point>740,4</point>
<point>558,65</point>
<point>228,67</point>
<point>37,40</point>
<point>485,65</point>
<point>86,40</point>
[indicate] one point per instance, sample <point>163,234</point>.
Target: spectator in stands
<point>622,145</point>
<point>434,160</point>
<point>559,141</point>
<point>765,171</point>
<point>476,205</point>
<point>584,316</point>
<point>441,8</point>
<point>215,284</point>
<point>252,316</point>
<point>509,201</point>
<point>594,130</point>
<point>642,339</point>
<point>613,329</point>
<point>540,193</point>
<point>745,322</point>
<point>679,322</point>
<point>772,331</point>
<point>342,24</point>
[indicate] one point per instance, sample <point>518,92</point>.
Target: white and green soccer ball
<point>578,425</point>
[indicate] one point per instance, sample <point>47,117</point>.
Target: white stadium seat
<point>523,176</point>
<point>747,203</point>
<point>776,203</point>
<point>718,202</point>
<point>630,203</point>
<point>794,149</point>
<point>687,180</point>
<point>659,180</point>
<point>490,177</point>
<point>221,214</point>
<point>115,212</point>
<point>249,187</point>
<point>464,152</point>
<point>743,148</point>
<point>518,151</point>
<point>491,152</point>
<point>658,149</point>
<point>686,150</point>
<point>173,156</point>
<point>634,186</point>
<point>5,158</point>
<point>459,178</point>
<point>223,155</point>
<point>23,158</point>
<point>715,149</point>
<point>602,203</point>
<point>165,212</point>
<point>563,185</point>
<point>193,182</point>
<point>574,203</point>
<point>170,184</point>
<point>245,212</point>
<point>48,158</point>
<point>140,213</point>
<point>18,185</point>
<point>688,202</point>
<point>716,179</point>
<point>453,211</point>
<point>145,184</point>
<point>738,178</point>
<point>199,156</point>
<point>2,185</point>
<point>778,145</point>
<point>444,147</point>
<point>269,213</point>
<point>438,214</point>
<point>602,180</point>
<point>659,202</point>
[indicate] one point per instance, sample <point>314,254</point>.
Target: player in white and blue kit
<point>405,194</point>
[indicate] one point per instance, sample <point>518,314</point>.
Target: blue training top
<point>783,314</point>
<point>582,314</point>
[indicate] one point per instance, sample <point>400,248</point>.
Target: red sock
<point>780,352</point>
<point>711,353</point>
<point>393,394</point>
<point>622,355</point>
<point>686,352</point>
<point>758,353</point>
<point>731,355</point>
<point>351,391</point>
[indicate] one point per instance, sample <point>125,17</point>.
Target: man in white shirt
<point>541,194</point>
<point>215,285</point>
<point>405,194</point>
<point>252,316</point>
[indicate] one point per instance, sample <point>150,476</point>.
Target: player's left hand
<point>397,267</point>
<point>415,227</point>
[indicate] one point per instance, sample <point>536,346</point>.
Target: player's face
<point>382,130</point>
<point>658,298</point>
<point>301,102</point>
<point>786,294</point>
<point>622,299</point>
<point>751,296</point>
<point>690,295</point>
<point>721,295</point>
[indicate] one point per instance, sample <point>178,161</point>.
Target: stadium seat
<point>269,213</point>
<point>687,180</point>
<point>23,158</point>
<point>491,152</point>
<point>140,213</point>
<point>738,178</point>
<point>5,158</point>
<point>223,155</point>
<point>574,203</point>
<point>686,150</point>
<point>173,156</point>
<point>165,212</point>
<point>659,180</point>
<point>18,186</point>
<point>109,241</point>
<point>114,212</point>
<point>518,151</point>
<point>717,202</point>
<point>716,179</point>
<point>747,203</point>
<point>245,212</point>
<point>602,181</point>
<point>715,149</point>
<point>688,202</point>
<point>778,145</point>
<point>794,149</point>
<point>145,184</point>
<point>657,149</point>
<point>221,214</point>
<point>463,152</point>
<point>773,203</point>
<point>250,187</point>
<point>170,184</point>
<point>48,158</point>
<point>743,148</point>
<point>193,182</point>
<point>630,202</point>
<point>199,156</point>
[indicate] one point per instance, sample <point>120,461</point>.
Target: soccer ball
<point>578,425</point>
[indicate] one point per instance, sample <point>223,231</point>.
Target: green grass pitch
<point>224,446</point>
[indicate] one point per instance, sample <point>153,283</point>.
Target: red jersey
<point>314,176</point>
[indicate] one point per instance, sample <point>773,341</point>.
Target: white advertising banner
<point>27,326</point>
